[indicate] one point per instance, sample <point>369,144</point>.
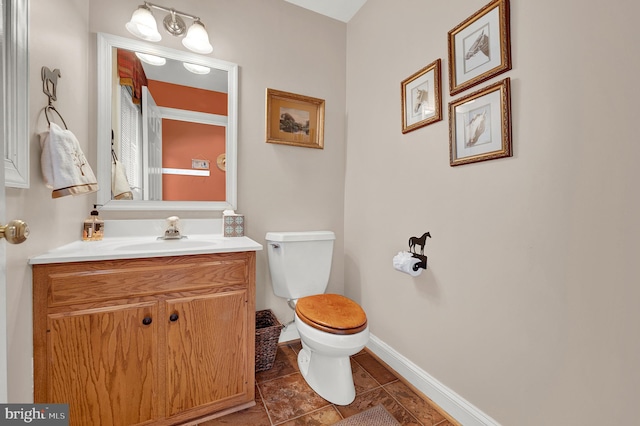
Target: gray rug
<point>374,416</point>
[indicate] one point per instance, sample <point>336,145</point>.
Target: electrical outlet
<point>200,164</point>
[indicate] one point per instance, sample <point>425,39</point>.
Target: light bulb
<point>197,39</point>
<point>143,24</point>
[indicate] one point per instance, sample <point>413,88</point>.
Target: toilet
<point>332,327</point>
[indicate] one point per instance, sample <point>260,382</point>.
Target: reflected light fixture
<point>196,69</point>
<point>144,26</point>
<point>151,59</point>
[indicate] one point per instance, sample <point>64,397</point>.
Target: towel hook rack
<point>49,87</point>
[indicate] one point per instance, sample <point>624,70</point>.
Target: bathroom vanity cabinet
<point>162,340</point>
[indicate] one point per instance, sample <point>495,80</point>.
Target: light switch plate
<point>200,164</point>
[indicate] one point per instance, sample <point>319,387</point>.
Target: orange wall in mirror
<point>184,141</point>
<point>188,98</point>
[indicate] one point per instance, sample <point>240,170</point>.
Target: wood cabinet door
<point>103,362</point>
<point>207,355</point>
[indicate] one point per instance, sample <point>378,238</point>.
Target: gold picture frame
<point>421,96</point>
<point>480,47</point>
<point>480,125</point>
<point>293,119</point>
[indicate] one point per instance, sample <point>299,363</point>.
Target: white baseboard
<point>461,410</point>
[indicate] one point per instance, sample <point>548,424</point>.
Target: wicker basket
<point>267,334</point>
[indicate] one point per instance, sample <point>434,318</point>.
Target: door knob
<point>15,231</point>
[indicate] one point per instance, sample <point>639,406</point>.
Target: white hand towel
<point>64,166</point>
<point>120,189</point>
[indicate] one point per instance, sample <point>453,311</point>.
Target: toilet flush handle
<point>275,245</point>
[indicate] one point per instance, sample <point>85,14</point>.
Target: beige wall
<point>277,45</point>
<point>529,307</point>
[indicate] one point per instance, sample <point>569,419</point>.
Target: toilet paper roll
<point>404,262</point>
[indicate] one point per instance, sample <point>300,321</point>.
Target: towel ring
<point>49,87</point>
<point>52,108</point>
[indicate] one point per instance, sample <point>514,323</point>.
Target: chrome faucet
<point>173,231</point>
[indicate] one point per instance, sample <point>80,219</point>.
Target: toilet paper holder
<point>421,242</point>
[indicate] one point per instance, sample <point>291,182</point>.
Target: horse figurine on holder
<point>50,82</point>
<point>415,241</point>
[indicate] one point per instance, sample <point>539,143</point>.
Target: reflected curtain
<point>131,74</point>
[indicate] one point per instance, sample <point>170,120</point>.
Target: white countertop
<point>137,247</point>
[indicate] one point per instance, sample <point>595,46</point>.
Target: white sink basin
<point>171,245</point>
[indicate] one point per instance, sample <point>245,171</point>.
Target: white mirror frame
<point>105,62</point>
<point>16,148</point>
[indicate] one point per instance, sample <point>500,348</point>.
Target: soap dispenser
<point>93,229</point>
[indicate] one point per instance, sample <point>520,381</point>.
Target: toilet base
<point>289,333</point>
<point>329,376</point>
<point>325,361</point>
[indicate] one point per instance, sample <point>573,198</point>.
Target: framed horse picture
<point>421,98</point>
<point>480,125</point>
<point>480,47</point>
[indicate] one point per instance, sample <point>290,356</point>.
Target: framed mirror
<point>167,128</point>
<point>15,28</point>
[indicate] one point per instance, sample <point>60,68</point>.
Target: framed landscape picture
<point>293,119</point>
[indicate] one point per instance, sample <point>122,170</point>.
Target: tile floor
<point>284,398</point>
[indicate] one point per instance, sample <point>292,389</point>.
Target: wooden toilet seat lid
<point>332,313</point>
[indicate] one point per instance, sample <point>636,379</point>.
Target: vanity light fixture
<point>144,26</point>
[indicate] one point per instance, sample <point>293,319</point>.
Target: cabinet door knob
<point>173,317</point>
<point>147,320</point>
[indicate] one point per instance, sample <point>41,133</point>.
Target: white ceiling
<point>342,10</point>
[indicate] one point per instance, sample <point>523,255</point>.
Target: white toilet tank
<point>299,262</point>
